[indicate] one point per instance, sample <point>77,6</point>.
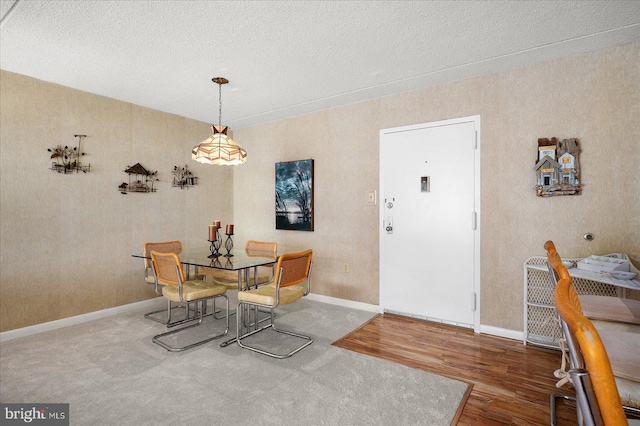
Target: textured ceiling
<point>285,58</point>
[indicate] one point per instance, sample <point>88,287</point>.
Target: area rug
<point>111,373</point>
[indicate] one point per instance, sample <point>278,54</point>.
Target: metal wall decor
<point>294,195</point>
<point>557,167</point>
<point>183,178</point>
<point>67,160</point>
<point>142,180</point>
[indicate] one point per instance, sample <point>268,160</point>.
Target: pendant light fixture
<point>219,148</point>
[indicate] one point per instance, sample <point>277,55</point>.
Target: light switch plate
<point>371,197</point>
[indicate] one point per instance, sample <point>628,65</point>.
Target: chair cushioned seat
<point>227,284</point>
<point>262,278</point>
<point>623,349</point>
<point>616,326</point>
<point>192,290</point>
<point>221,275</point>
<point>266,295</point>
<point>229,279</point>
<point>629,392</point>
<point>610,308</point>
<point>616,339</point>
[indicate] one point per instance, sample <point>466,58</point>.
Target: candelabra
<point>214,249</point>
<point>228,244</point>
<point>215,240</point>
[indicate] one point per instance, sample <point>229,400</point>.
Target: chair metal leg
<point>168,311</point>
<point>552,405</point>
<point>258,329</point>
<point>632,412</point>
<point>187,318</point>
<point>217,311</point>
<point>157,339</point>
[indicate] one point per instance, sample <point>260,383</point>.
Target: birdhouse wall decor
<point>557,167</point>
<point>140,180</point>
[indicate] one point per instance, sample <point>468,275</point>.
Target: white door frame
<point>476,273</point>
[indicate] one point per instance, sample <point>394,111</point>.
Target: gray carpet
<point>112,374</point>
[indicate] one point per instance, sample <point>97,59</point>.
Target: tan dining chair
<point>230,278</point>
<point>291,283</point>
<point>168,268</point>
<point>150,278</point>
<point>597,395</point>
<point>622,347</point>
<point>263,249</point>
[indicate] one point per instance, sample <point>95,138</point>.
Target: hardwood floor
<point>511,382</point>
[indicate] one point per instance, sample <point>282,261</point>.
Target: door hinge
<point>473,301</point>
<point>474,221</point>
<point>475,139</point>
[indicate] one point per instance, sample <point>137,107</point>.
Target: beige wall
<point>594,97</point>
<point>67,240</point>
<point>56,230</point>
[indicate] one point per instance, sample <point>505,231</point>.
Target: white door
<point>430,205</point>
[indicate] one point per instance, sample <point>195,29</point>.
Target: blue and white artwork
<point>294,195</point>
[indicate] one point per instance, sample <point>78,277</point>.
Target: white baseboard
<point>502,332</point>
<point>346,303</point>
<point>78,319</point>
<point>484,329</point>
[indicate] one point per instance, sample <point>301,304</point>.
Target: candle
<point>217,223</point>
<point>212,233</point>
<point>229,229</point>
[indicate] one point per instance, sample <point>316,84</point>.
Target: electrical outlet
<point>345,268</point>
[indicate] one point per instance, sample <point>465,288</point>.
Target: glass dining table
<point>241,260</point>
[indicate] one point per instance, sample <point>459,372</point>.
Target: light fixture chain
<point>220,105</point>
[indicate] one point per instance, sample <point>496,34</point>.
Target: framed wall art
<point>294,195</point>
